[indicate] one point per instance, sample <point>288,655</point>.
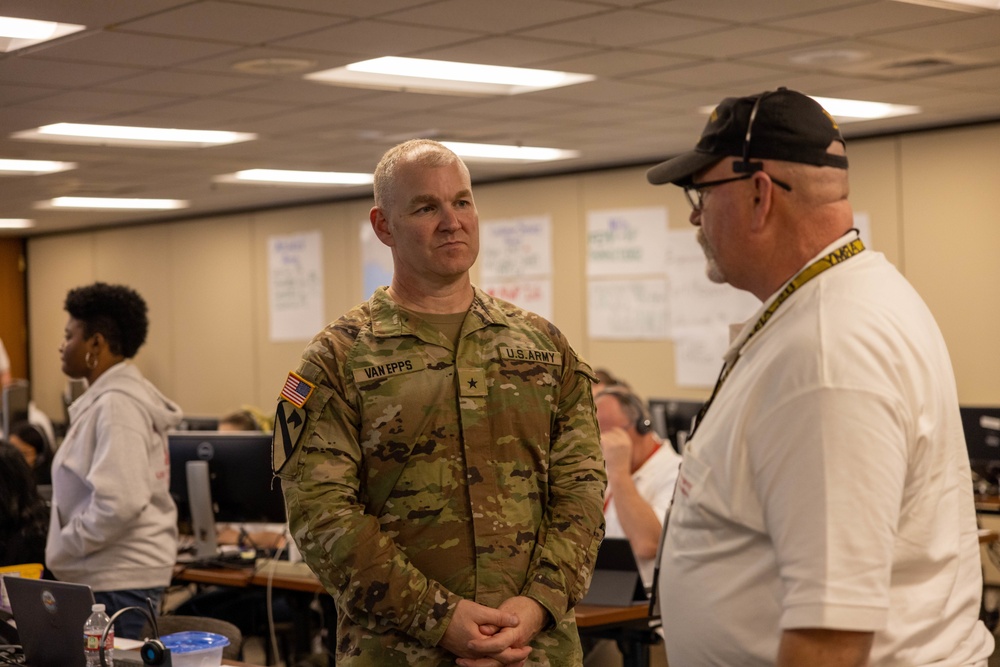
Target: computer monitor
<point>199,424</point>
<point>243,489</point>
<point>16,397</point>
<point>982,438</point>
<point>672,419</point>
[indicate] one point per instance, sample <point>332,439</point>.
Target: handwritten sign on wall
<point>295,286</point>
<point>515,261</point>
<point>626,242</point>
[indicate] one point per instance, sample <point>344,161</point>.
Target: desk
<point>250,576</point>
<point>629,626</point>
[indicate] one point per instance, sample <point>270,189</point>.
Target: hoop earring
<point>90,360</point>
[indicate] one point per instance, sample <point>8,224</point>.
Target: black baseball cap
<point>786,125</point>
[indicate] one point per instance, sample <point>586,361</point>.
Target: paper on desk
<point>126,644</point>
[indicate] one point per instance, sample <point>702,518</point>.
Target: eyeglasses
<point>696,192</point>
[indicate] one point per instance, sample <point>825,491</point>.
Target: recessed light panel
<point>16,223</point>
<point>958,5</point>
<point>33,167</point>
<point>445,77</point>
<point>120,135</point>
<point>846,111</point>
<point>114,203</point>
<point>293,177</point>
<point>506,153</point>
<point>16,33</point>
<point>849,111</point>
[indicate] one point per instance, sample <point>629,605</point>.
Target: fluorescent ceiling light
<point>113,203</point>
<point>292,177</point>
<point>849,111</point>
<point>445,77</point>
<point>498,152</point>
<point>958,5</point>
<point>132,136</point>
<point>33,166</point>
<point>16,223</point>
<point>18,33</point>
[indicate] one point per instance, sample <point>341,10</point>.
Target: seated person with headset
<point>642,469</point>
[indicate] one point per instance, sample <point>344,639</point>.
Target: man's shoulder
<point>519,319</point>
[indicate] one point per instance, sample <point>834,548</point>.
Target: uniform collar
<point>389,320</point>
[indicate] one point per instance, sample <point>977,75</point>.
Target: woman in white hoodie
<point>113,524</point>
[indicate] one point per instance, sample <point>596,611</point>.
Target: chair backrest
<point>172,623</point>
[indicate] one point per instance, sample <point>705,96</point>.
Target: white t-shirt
<point>654,481</point>
<point>829,487</point>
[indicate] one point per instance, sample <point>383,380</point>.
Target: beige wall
<point>933,200</point>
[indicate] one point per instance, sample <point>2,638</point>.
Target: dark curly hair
<point>116,312</point>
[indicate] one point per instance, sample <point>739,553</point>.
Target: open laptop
<point>616,581</point>
<point>50,617</point>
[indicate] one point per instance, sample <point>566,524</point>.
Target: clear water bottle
<point>92,631</point>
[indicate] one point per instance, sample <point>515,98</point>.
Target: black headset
<point>643,424</point>
<point>153,652</point>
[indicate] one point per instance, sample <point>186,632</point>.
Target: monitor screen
<point>982,438</point>
<point>240,475</point>
<point>672,419</point>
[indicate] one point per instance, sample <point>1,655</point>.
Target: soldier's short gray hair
<point>425,152</point>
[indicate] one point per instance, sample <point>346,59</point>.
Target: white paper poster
<point>628,309</point>
<point>376,261</point>
<point>516,248</point>
<point>295,271</point>
<point>515,261</point>
<point>701,312</point>
<point>626,242</point>
<point>533,295</point>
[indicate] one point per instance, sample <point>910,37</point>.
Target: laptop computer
<point>616,581</point>
<point>50,617</point>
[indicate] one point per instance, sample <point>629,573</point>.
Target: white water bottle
<point>92,631</point>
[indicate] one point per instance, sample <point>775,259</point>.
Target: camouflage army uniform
<point>424,475</point>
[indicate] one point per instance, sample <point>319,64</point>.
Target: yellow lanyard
<point>841,254</point>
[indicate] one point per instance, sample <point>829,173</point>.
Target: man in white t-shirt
<point>642,469</point>
<point>824,512</point>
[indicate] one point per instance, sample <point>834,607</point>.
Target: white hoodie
<point>114,524</point>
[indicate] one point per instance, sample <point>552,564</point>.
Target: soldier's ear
<point>381,227</point>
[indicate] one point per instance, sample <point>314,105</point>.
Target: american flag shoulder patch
<point>297,389</point>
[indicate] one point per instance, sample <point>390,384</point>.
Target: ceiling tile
<point>495,17</point>
<point>975,31</point>
<point>376,38</point>
<point>184,83</point>
<point>623,28</point>
<point>872,18</point>
<point>734,42</point>
<point>91,13</point>
<point>244,24</point>
<point>137,51</point>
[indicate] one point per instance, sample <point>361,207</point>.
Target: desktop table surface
<point>587,615</point>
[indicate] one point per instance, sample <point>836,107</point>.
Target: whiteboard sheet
<point>295,272</point>
<point>626,242</point>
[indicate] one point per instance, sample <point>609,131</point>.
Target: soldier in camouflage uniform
<point>439,452</point>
